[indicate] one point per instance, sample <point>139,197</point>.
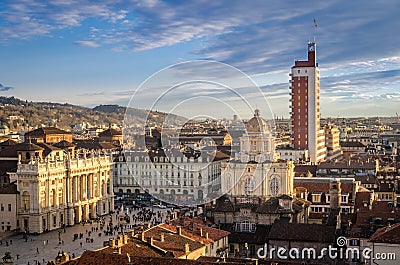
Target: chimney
<point>125,239</point>
<point>206,235</point>
<point>111,242</point>
<point>151,241</point>
<point>162,237</point>
<point>335,194</point>
<point>132,233</point>
<point>201,232</point>
<point>143,238</point>
<point>148,225</point>
<point>187,248</point>
<point>179,230</point>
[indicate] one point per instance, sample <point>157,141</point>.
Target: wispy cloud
<point>255,36</point>
<point>87,43</point>
<point>357,41</point>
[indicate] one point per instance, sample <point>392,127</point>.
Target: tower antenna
<point>315,30</point>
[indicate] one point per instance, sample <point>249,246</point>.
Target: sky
<point>100,52</point>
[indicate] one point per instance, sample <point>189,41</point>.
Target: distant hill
<point>18,114</point>
<point>110,109</point>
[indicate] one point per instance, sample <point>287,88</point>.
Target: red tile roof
<point>173,242</point>
<point>45,130</point>
<point>322,185</point>
<point>187,230</point>
<point>389,235</point>
<point>302,232</point>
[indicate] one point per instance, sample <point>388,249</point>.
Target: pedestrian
<point>37,250</point>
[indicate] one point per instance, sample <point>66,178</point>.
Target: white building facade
<point>172,177</point>
<point>62,187</point>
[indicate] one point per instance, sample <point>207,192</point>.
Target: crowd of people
<point>121,221</point>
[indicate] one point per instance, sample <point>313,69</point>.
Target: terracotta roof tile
<point>389,235</point>
<point>302,232</point>
<point>45,130</point>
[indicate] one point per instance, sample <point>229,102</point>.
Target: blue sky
<point>98,52</point>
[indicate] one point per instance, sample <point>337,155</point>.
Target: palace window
<point>316,197</point>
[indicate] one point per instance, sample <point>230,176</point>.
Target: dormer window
<point>316,197</point>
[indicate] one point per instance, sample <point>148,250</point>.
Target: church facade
<point>256,169</point>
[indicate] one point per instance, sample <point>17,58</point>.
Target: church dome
<point>257,124</point>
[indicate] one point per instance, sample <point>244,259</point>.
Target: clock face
<point>249,186</point>
<point>311,48</point>
<point>274,186</point>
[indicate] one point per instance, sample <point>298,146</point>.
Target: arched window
<point>274,186</point>
<point>96,190</point>
<point>26,200</point>
<point>53,198</point>
<point>103,188</point>
<point>43,199</point>
<point>60,196</point>
<point>249,186</point>
<point>245,226</point>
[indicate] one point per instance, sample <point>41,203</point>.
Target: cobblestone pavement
<point>45,247</point>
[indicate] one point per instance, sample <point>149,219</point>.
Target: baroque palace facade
<point>58,185</point>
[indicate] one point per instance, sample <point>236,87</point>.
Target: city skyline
<point>99,53</point>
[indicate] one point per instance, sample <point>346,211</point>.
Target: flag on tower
<point>315,23</point>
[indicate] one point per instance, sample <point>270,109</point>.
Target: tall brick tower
<point>305,107</point>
